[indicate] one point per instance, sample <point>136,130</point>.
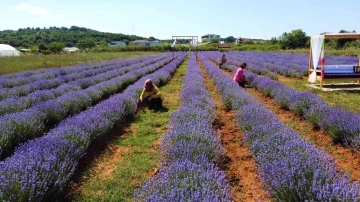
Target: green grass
<point>346,99</point>
<point>33,62</point>
<point>142,154</point>
<point>327,51</point>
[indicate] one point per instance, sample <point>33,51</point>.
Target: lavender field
<point>51,118</point>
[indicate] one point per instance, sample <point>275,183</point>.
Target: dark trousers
<point>155,103</point>
<point>242,84</point>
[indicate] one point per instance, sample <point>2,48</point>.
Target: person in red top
<point>239,75</point>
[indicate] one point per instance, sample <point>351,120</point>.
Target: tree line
<point>55,39</point>
<point>70,37</point>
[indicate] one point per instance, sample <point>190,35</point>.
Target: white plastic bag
<point>312,77</point>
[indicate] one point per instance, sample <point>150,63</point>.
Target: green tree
<point>34,48</point>
<point>152,38</point>
<point>340,43</point>
<point>42,47</point>
<point>86,43</point>
<point>230,39</point>
<point>56,47</point>
<point>103,43</point>
<point>295,39</point>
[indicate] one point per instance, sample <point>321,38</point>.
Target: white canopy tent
<point>7,51</point>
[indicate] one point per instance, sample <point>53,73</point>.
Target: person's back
<point>223,61</point>
<point>239,76</point>
<point>151,94</point>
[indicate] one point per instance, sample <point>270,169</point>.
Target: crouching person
<point>151,95</point>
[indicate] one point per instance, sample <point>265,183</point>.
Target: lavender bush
<point>190,149</point>
<point>20,130</point>
<point>40,168</point>
<point>290,167</point>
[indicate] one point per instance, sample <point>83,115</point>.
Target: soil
<point>238,164</point>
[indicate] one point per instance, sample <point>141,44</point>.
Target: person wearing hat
<point>151,95</point>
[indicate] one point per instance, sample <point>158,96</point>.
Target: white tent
<point>7,50</point>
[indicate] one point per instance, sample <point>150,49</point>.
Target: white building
<point>145,43</point>
<point>241,40</point>
<point>117,43</point>
<point>70,49</point>
<point>210,37</point>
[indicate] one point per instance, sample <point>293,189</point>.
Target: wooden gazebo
<point>330,72</point>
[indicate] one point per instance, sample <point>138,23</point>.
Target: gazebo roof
<point>339,36</point>
<point>224,45</point>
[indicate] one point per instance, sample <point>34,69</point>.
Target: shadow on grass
<point>162,110</point>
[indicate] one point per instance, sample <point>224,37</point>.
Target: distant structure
<point>25,50</point>
<point>241,40</point>
<point>145,43</point>
<point>117,43</point>
<point>210,37</point>
<point>7,51</point>
<point>70,49</point>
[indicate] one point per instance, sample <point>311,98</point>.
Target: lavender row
<point>290,65</point>
<point>341,125</point>
<point>81,78</point>
<point>291,168</point>
<point>18,104</point>
<point>40,169</point>
<point>251,66</point>
<point>190,149</point>
<point>26,77</point>
<point>19,127</point>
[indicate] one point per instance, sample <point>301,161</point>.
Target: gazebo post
<point>322,67</point>
<point>310,60</point>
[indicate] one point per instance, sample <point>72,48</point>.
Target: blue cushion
<point>338,69</point>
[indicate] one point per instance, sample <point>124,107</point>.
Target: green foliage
<point>69,36</point>
<point>56,47</point>
<point>86,43</point>
<point>340,43</point>
<point>34,48</point>
<point>230,39</point>
<point>103,43</point>
<point>295,39</point>
<point>214,41</point>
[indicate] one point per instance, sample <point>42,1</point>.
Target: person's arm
<point>157,93</point>
<point>236,76</point>
<point>142,95</point>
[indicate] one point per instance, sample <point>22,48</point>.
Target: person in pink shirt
<point>239,76</point>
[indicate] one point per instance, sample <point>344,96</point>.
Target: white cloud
<point>39,11</point>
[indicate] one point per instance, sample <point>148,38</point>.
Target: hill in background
<point>69,36</point>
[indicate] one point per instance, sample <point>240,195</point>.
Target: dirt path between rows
<point>347,159</point>
<point>239,166</point>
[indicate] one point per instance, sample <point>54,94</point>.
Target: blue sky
<point>165,18</point>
